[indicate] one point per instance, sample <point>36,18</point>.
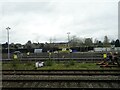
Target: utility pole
<point>8,42</point>
<point>68,38</point>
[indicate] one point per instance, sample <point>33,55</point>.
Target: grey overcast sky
<point>40,20</point>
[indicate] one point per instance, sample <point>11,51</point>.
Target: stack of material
<point>39,64</point>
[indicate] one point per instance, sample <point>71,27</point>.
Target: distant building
<point>61,44</point>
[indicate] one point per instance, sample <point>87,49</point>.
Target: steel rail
<point>33,59</point>
<point>61,72</point>
<point>71,70</point>
<point>39,80</point>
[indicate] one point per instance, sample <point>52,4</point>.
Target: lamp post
<point>68,38</point>
<point>8,42</point>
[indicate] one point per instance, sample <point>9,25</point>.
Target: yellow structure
<point>49,53</point>
<point>28,53</point>
<point>104,55</point>
<point>15,56</point>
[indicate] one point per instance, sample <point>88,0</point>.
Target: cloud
<point>40,21</point>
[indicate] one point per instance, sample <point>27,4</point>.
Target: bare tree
<point>106,42</point>
<point>75,41</point>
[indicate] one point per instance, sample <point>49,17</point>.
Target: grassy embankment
<point>50,65</point>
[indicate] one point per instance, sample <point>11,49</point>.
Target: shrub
<point>72,62</point>
<point>48,62</point>
<point>35,68</point>
<point>29,64</point>
<point>67,64</point>
<point>14,64</point>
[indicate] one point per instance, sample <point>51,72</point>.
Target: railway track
<point>26,81</point>
<point>56,59</point>
<point>106,78</point>
<point>61,84</point>
<point>62,72</point>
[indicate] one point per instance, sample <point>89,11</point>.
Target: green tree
<point>88,42</point>
<point>100,44</point>
<point>29,45</point>
<point>106,42</point>
<point>112,42</point>
<point>96,42</point>
<point>117,43</point>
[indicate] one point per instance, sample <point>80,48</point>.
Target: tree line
<point>73,42</point>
